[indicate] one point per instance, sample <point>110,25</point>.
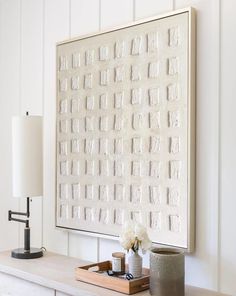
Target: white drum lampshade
<point>27,156</point>
<point>27,160</point>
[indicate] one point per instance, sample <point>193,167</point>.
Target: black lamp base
<point>22,254</point>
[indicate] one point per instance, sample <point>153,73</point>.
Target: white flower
<point>134,236</point>
<point>146,244</point>
<point>126,243</point>
<point>127,237</point>
<point>140,232</point>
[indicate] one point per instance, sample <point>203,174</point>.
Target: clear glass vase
<point>135,262</point>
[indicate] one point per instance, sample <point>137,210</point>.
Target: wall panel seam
<point>43,92</point>
<point>69,18</point>
<point>98,249</point>
<point>100,15</point>
<point>134,10</point>
<point>20,56</point>
<point>20,93</point>
<point>174,5</point>
<point>68,243</point>
<point>219,149</point>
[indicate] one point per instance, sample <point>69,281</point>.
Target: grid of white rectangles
<point>122,119</point>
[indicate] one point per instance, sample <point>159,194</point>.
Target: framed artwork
<point>126,129</point>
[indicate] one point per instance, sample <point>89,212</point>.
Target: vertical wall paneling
<point>31,42</point>
<point>9,106</point>
<point>202,265</point>
<point>31,91</point>
<point>43,65</point>
<point>152,7</point>
<point>29,31</point>
<point>56,28</point>
<point>115,12</point>
<point>228,143</point>
<point>84,17</point>
<point>81,245</point>
<point>110,246</point>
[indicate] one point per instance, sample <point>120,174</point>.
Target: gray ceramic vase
<point>166,272</point>
<point>135,262</point>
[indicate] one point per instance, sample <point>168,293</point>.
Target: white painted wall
<point>29,30</point>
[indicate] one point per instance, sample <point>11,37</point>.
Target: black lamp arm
<point>27,214</point>
<point>18,220</point>
<point>26,221</point>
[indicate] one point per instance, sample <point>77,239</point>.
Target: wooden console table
<point>53,275</point>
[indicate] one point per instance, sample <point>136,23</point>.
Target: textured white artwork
<point>63,63</point>
<point>154,96</point>
<point>90,102</point>
<point>74,105</point>
<point>75,125</point>
<point>75,191</point>
<point>63,106</point>
<point>119,74</point>
<point>124,130</point>
<point>89,57</point>
<point>152,41</point>
<point>104,148</point>
<point>103,101</point>
<point>155,144</point>
<point>88,79</point>
<point>63,84</point>
<point>155,195</point>
<point>118,146</point>
<point>75,60</point>
<point>75,82</point>
<point>174,36</point>
<point>63,191</point>
<point>119,49</point>
<point>135,72</point>
<point>173,92</point>
<point>153,69</point>
<point>136,96</point>
<point>63,150</point>
<point>104,53</point>
<point>104,77</point>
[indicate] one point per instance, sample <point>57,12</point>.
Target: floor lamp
<point>27,160</point>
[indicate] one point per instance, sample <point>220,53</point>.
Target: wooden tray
<point>96,274</point>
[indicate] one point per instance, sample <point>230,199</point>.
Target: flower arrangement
<point>133,237</point>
